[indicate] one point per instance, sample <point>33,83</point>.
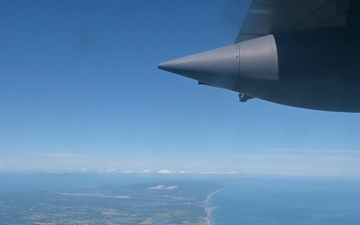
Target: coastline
<point>209,220</point>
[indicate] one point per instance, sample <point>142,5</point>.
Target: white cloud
<point>164,171</point>
<point>83,170</point>
<point>128,171</point>
<point>159,187</point>
<point>163,187</point>
<point>171,187</point>
<point>121,197</point>
<point>111,171</point>
<point>184,172</point>
<point>146,171</point>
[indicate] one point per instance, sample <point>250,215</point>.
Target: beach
<point>208,209</point>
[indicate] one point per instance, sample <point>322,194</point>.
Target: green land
<point>172,203</point>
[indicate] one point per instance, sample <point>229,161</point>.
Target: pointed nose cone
<point>219,67</point>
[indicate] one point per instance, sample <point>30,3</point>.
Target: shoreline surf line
<point>208,209</point>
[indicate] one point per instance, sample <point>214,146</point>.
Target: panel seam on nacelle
<point>238,45</point>
<point>275,76</point>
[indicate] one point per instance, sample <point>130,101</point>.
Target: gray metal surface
<point>219,67</point>
<point>254,51</point>
<point>275,16</point>
<point>224,66</point>
<point>318,69</point>
<point>311,60</point>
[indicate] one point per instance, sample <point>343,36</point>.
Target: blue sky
<point>80,89</point>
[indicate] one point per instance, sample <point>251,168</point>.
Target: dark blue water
<point>284,201</point>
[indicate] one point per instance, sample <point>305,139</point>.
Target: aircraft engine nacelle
<point>317,69</point>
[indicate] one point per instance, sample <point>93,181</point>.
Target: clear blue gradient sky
<point>80,89</point>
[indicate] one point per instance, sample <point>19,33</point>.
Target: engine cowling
<point>317,69</point>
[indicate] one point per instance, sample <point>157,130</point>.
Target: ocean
<point>286,200</point>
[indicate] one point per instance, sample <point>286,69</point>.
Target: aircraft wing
<point>274,16</point>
